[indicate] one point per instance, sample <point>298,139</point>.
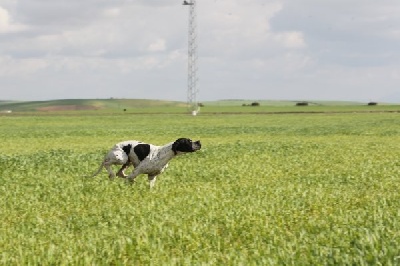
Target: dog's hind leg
<point>111,174</point>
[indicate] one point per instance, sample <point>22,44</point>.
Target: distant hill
<point>239,102</point>
<point>160,106</point>
<point>85,104</point>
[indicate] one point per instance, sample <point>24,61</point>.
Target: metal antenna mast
<point>192,58</point>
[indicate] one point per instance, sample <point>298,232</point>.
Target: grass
<point>297,189</point>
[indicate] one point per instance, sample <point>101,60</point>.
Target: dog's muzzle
<point>196,145</point>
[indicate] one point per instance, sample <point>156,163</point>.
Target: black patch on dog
<point>127,149</point>
<point>182,145</point>
<point>142,150</point>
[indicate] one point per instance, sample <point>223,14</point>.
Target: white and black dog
<point>146,158</point>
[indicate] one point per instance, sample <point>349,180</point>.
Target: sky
<point>340,50</point>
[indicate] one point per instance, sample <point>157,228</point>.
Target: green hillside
<point>208,107</point>
<point>86,104</point>
<point>279,103</point>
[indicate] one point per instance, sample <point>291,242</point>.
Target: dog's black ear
<point>142,150</point>
<point>177,144</point>
<point>174,146</point>
<point>127,149</point>
<point>182,145</point>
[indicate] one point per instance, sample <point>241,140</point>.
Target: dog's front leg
<point>133,175</point>
<point>152,180</point>
<point>123,168</point>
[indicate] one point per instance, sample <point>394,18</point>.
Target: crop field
<point>266,189</point>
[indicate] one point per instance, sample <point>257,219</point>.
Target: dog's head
<point>183,145</point>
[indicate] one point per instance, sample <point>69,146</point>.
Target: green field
<point>266,189</point>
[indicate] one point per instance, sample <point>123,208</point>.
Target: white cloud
<point>157,46</point>
<point>112,12</point>
<point>294,39</point>
<point>11,67</point>
<point>6,24</point>
<point>233,28</point>
<point>4,19</point>
<point>278,49</point>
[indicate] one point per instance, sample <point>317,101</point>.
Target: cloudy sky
<point>248,49</point>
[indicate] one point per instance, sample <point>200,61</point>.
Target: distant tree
<point>372,103</point>
<point>255,104</point>
<point>302,104</point>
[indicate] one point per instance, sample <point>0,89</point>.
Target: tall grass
<point>264,189</point>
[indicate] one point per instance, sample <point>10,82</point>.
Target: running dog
<point>146,158</point>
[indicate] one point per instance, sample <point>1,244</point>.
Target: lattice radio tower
<point>192,59</point>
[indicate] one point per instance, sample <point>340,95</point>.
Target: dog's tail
<point>99,170</point>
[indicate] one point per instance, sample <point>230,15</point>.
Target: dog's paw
<point>121,175</point>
